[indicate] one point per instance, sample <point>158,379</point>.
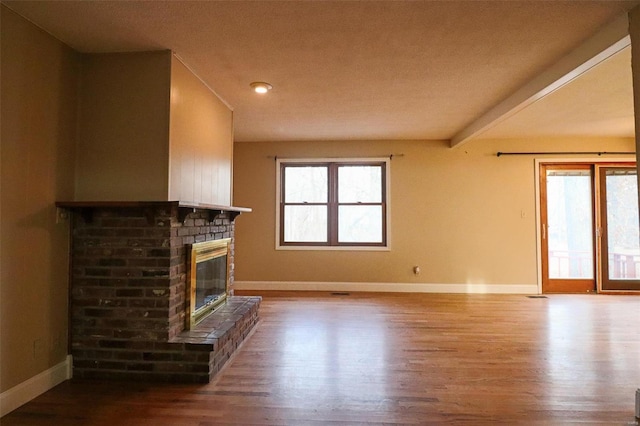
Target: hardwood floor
<point>422,359</point>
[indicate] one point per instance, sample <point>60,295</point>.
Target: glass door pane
<point>569,224</point>
<point>621,239</point>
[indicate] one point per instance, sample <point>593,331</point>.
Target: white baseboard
<point>388,287</point>
<point>35,386</point>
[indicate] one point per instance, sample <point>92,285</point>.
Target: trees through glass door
<point>619,239</point>
<point>589,228</point>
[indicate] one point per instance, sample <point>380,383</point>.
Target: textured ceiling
<point>599,103</point>
<point>345,70</point>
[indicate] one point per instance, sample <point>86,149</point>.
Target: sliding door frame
<point>602,249</point>
<point>576,285</point>
<point>598,161</point>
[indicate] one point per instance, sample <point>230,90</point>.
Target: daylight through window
<point>334,203</point>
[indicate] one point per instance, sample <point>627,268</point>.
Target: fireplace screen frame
<point>201,252</point>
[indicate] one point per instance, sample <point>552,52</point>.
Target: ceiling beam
<point>605,43</point>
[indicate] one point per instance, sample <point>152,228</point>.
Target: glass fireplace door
<point>207,279</point>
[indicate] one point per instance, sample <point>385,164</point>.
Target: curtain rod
<point>390,156</point>
<point>499,154</point>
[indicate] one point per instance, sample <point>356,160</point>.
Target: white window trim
<point>386,160</point>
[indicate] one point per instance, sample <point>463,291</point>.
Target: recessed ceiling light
<point>261,87</point>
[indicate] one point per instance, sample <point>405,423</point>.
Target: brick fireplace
<point>129,288</point>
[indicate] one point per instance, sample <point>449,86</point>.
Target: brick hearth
<point>128,291</point>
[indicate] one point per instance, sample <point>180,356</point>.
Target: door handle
<point>544,231</point>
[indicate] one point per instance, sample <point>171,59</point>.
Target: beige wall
<point>38,102</point>
<point>463,215</point>
<point>123,136</point>
<point>201,141</point>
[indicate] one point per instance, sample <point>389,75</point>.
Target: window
<point>329,203</point>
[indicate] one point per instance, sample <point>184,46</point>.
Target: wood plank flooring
<point>317,358</point>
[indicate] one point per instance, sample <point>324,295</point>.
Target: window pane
<point>570,236</point>
<point>360,224</point>
<point>305,184</point>
<point>305,224</point>
<point>360,184</point>
<point>622,224</point>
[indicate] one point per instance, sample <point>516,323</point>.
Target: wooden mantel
<point>184,208</point>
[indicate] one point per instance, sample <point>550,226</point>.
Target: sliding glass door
<point>567,229</point>
<point>620,242</point>
<point>589,228</point>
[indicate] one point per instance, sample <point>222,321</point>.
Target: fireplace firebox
<point>208,276</point>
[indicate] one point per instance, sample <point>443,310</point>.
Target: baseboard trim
<point>35,386</point>
<point>387,287</point>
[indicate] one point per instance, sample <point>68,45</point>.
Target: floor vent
<point>537,297</point>
<point>340,293</point>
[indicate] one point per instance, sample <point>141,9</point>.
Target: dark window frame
<point>332,202</point>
